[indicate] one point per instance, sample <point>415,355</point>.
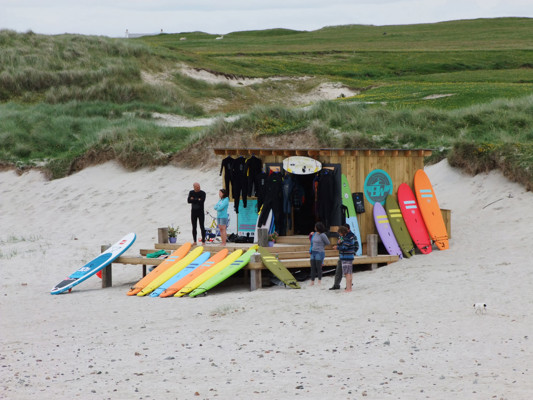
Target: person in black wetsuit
<point>197,199</point>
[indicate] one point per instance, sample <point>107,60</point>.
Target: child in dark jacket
<point>346,247</point>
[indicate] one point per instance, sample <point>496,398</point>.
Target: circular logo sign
<point>378,185</point>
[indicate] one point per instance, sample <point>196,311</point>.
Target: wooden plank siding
<point>356,164</point>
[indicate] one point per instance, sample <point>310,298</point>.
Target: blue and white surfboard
<point>189,268</point>
<point>95,265</point>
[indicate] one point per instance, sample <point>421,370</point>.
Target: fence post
<point>107,277</point>
<point>372,248</point>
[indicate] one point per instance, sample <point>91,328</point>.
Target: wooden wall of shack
<point>356,164</point>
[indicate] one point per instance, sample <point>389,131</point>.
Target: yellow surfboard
<point>170,272</point>
<point>209,273</point>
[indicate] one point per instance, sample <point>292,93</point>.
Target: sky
<point>113,17</point>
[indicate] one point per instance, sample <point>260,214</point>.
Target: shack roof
<point>314,152</point>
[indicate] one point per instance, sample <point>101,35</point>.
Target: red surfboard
<point>413,218</point>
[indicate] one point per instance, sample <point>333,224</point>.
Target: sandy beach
<point>407,331</point>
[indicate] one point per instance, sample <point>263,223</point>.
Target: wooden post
<point>162,235</point>
<point>107,280</point>
<point>262,237</point>
<point>447,217</point>
<point>255,274</point>
<point>372,248</point>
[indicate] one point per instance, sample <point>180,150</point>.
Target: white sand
<point>408,331</point>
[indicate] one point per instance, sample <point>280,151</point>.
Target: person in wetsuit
<point>196,199</point>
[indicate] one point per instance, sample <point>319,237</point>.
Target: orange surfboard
<point>430,210</point>
<point>169,262</point>
<point>173,289</point>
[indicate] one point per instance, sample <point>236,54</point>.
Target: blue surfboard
<point>189,268</point>
<point>95,265</point>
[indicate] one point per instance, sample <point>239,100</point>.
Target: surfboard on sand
<point>351,219</point>
<point>176,286</point>
<point>300,165</point>
<point>95,265</point>
<point>277,268</point>
<point>209,273</point>
<point>430,210</point>
<point>385,231</point>
<point>171,271</point>
<point>191,267</point>
<point>221,276</point>
<point>169,262</point>
<point>398,226</point>
<point>413,219</point>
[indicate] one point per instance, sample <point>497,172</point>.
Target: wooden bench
<point>292,256</point>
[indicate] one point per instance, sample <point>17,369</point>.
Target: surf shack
<point>371,174</point>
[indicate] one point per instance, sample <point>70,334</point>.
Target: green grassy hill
<point>460,87</point>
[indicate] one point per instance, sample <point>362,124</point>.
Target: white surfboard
<point>95,265</point>
<point>300,165</point>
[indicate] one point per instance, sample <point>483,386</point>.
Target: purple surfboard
<point>385,231</point>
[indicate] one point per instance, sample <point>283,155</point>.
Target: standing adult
<point>338,271</point>
<point>222,214</point>
<point>319,241</point>
<point>197,199</point>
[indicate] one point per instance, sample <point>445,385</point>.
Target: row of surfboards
<point>415,219</point>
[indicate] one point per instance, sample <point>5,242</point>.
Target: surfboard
<point>430,210</point>
<point>191,267</point>
<point>266,225</point>
<point>385,231</point>
<point>351,219</point>
<point>176,286</point>
<point>221,276</point>
<point>413,219</point>
<point>300,165</point>
<point>209,273</point>
<point>169,262</point>
<point>398,226</point>
<point>95,265</point>
<point>171,271</point>
<point>277,268</point>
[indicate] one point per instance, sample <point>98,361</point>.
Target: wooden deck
<point>292,253</point>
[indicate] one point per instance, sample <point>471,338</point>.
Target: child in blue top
<point>318,252</point>
<point>346,247</point>
<point>222,214</point>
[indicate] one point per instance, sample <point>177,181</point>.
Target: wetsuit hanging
<point>260,189</point>
<point>239,181</point>
<point>325,196</point>
<point>226,165</point>
<point>273,200</point>
<point>254,166</point>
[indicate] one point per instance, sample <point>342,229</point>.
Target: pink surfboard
<point>385,231</point>
<point>413,218</point>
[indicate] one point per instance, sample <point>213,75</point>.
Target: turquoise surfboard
<point>189,268</point>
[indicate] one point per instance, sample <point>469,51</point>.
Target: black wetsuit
<point>197,200</point>
<point>239,182</point>
<point>254,167</point>
<point>273,200</point>
<point>226,165</point>
<point>325,196</point>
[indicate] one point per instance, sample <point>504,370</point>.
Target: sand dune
<point>408,331</point>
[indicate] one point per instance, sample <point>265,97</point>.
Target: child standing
<point>346,247</point>
<point>318,252</point>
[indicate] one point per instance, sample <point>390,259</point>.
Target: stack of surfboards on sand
<point>194,272</point>
<point>414,221</point>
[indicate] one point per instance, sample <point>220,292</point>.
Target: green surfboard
<point>351,218</point>
<point>398,226</point>
<point>278,269</point>
<point>235,266</point>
